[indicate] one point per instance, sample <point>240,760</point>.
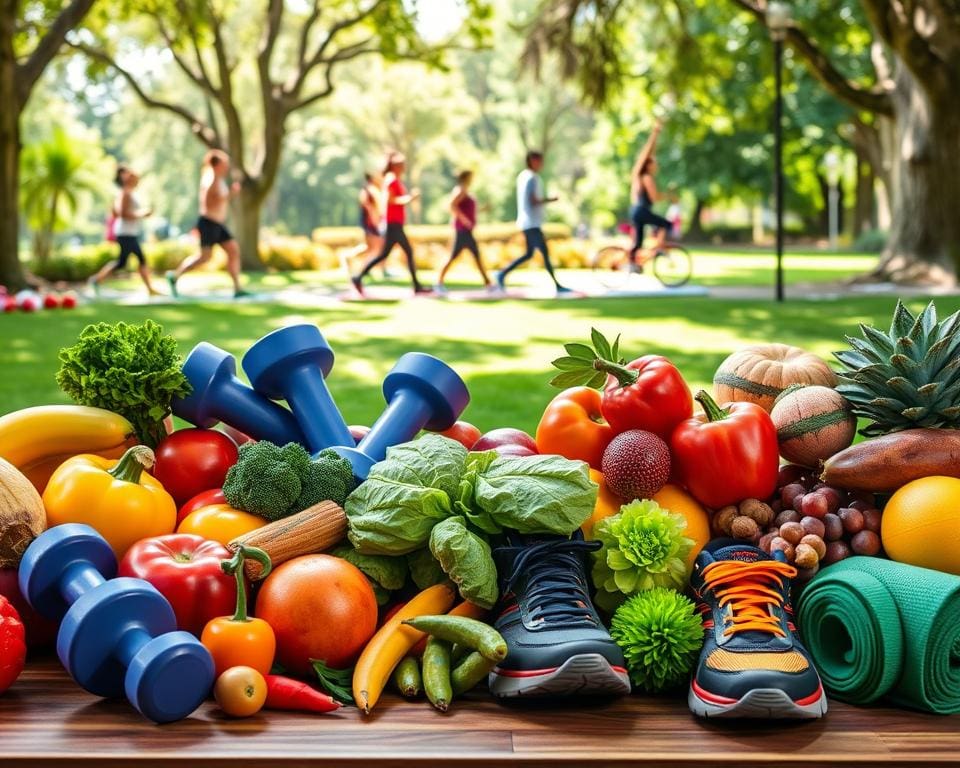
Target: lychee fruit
<point>636,464</point>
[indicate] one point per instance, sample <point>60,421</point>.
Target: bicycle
<point>672,264</point>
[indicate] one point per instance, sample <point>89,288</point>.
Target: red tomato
<point>40,632</point>
<point>193,460</point>
<point>464,433</point>
<point>504,436</point>
<point>13,646</point>
<point>205,499</point>
<point>185,569</point>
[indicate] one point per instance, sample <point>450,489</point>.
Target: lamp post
<point>831,163</point>
<point>778,21</point>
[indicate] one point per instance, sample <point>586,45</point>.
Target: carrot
<point>286,693</point>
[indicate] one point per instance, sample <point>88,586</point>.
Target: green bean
<point>469,632</point>
<point>436,673</point>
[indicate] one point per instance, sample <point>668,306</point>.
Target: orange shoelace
<point>751,590</point>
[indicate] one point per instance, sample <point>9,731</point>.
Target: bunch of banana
<point>38,440</point>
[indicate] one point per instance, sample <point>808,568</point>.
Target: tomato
<point>573,426</point>
<point>193,460</point>
<point>185,569</point>
<point>463,432</point>
<point>507,441</point>
<point>240,691</point>
<point>13,644</point>
<point>204,499</point>
<point>320,607</point>
<point>220,522</point>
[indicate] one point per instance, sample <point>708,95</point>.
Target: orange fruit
<point>320,607</point>
<point>921,524</point>
<point>608,504</point>
<point>680,502</point>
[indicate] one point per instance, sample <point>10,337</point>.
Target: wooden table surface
<point>45,718</point>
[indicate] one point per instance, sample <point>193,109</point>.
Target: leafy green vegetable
<point>387,517</point>
<point>466,559</point>
<point>275,482</point>
<point>643,548</point>
<point>660,635</point>
<point>477,462</point>
<point>433,461</point>
<point>536,494</point>
<point>386,574</point>
<point>133,370</point>
<point>336,682</point>
<point>424,569</point>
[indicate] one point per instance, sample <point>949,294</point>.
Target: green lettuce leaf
<point>466,559</point>
<point>536,494</point>
<point>464,504</point>
<point>387,517</point>
<point>432,461</point>
<point>424,569</point>
<point>384,570</point>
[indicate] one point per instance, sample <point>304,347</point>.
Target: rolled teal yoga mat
<point>877,628</point>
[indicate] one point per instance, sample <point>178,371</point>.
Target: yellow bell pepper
<point>117,498</point>
<point>220,522</point>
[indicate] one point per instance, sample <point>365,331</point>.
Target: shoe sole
<point>588,674</point>
<point>761,703</point>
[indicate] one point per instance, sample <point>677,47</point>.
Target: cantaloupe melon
<point>813,423</point>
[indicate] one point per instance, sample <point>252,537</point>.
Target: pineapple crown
<point>908,377</point>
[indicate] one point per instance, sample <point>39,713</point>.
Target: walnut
<point>756,510</point>
<point>723,519</point>
<point>744,528</point>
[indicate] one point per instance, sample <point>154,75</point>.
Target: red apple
<point>358,431</point>
<point>29,304</point>
<point>506,436</point>
<point>514,450</point>
<point>9,304</point>
<point>464,433</point>
<point>68,301</point>
<point>51,301</point>
<point>40,631</point>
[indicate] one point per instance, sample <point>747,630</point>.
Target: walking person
<point>530,204</point>
<point>643,194</point>
<point>128,219</point>
<point>463,206</point>
<point>215,194</point>
<point>370,217</point>
<point>396,199</point>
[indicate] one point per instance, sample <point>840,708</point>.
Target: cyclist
<point>643,194</point>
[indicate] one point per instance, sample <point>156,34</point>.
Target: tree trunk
<point>924,245</point>
<point>864,205</point>
<point>695,229</point>
<point>11,272</point>
<point>246,225</point>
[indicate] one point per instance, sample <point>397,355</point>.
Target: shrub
<point>871,241</point>
<point>296,253</point>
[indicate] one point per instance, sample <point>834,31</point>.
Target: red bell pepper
<point>13,644</point>
<point>647,393</point>
<point>286,693</point>
<point>186,570</point>
<point>727,454</point>
<point>572,426</point>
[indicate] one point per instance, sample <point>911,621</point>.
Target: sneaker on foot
<point>240,293</point>
<point>172,282</point>
<point>440,290</point>
<point>556,643</point>
<point>563,290</point>
<point>417,289</point>
<point>357,285</point>
<point>752,664</point>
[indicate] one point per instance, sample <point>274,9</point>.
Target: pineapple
<point>909,377</point>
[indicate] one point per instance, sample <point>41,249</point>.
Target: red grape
<point>789,473</point>
<point>865,543</point>
<point>787,516</point>
<point>852,520</point>
<point>789,494</point>
<point>814,526</point>
<point>836,551</point>
<point>814,504</point>
<point>833,527</point>
<point>871,520</point>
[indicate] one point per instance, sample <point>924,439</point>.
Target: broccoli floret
<point>275,482</point>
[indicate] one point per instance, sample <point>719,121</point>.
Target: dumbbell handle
<point>318,415</point>
<point>130,645</point>
<point>252,414</point>
<point>406,408</point>
<point>78,579</point>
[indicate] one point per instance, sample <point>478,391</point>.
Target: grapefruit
<point>320,607</point>
<point>921,524</point>
<point>680,502</point>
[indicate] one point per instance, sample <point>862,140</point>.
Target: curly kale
<point>133,370</point>
<point>275,482</point>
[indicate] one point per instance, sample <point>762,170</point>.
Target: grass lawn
<point>502,349</point>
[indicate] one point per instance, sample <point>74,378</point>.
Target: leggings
<point>535,242</point>
<point>464,240</point>
<point>393,236</point>
<point>640,215</point>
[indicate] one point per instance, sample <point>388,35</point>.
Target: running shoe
<point>241,294</point>
<point>172,282</point>
<point>562,290</point>
<point>498,279</point>
<point>752,664</point>
<point>421,289</point>
<point>357,285</point>
<point>440,290</point>
<point>556,643</point>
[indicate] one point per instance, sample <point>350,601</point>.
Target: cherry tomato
<point>193,460</point>
<point>464,433</point>
<point>205,499</point>
<point>240,691</point>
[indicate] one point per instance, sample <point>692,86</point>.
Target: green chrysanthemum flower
<point>643,547</point>
<point>660,636</point>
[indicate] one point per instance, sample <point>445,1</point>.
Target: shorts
<point>129,246</point>
<point>641,216</point>
<point>368,227</point>
<point>212,232</point>
<point>463,239</point>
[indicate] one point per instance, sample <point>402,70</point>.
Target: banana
<point>36,440</point>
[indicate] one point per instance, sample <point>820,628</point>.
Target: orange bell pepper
<point>572,426</point>
<point>239,640</point>
<point>117,498</point>
<point>220,522</point>
<point>608,503</point>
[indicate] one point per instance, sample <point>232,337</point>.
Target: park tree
<point>912,82</point>
<point>290,53</point>
<point>31,34</point>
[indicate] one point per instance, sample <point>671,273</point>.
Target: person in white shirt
<point>530,203</point>
<point>127,229</point>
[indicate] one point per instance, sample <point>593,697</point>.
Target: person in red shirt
<point>463,206</point>
<point>396,198</point>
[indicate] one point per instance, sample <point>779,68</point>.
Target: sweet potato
<point>885,463</point>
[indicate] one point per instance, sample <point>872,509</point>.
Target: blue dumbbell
<point>291,364</point>
<point>421,392</point>
<point>117,635</point>
<point>218,395</point>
